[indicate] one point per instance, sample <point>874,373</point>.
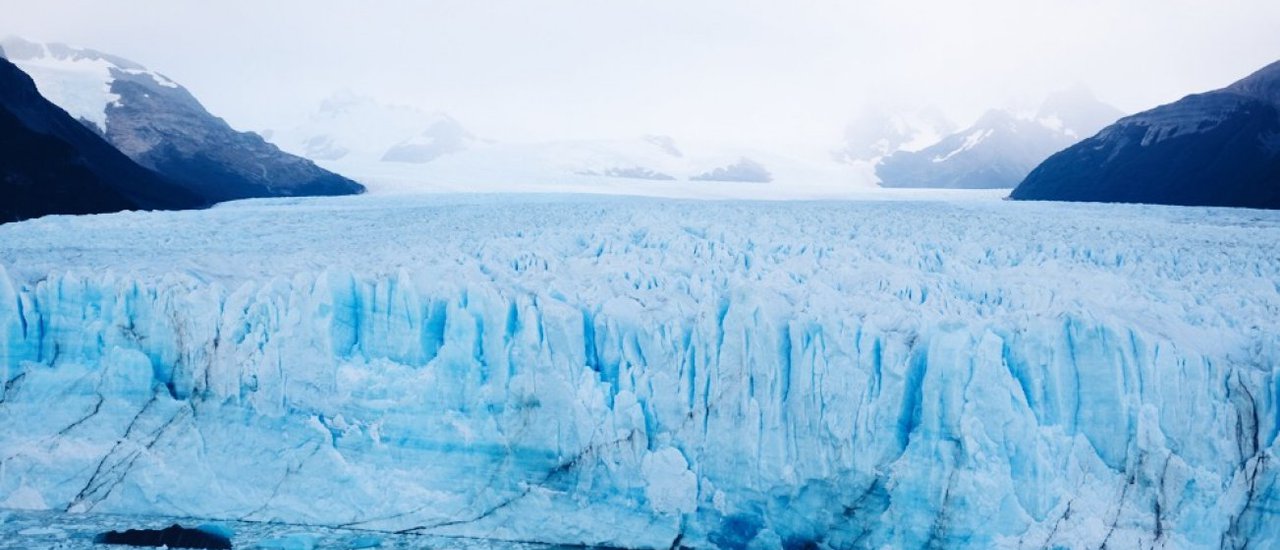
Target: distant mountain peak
<point>347,102</point>
<point>1077,112</point>
<point>1002,146</point>
<point>350,126</point>
<point>743,170</point>
<point>443,135</point>
<point>879,131</point>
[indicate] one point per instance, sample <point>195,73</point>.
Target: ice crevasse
<point>653,374</point>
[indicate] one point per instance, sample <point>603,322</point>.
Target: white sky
<point>760,72</point>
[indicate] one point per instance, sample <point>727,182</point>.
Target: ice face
<point>644,372</point>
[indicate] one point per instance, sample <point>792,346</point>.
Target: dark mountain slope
<point>50,163</point>
<point>1220,148</point>
<point>160,125</point>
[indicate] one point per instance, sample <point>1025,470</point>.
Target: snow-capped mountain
<point>1076,113</point>
<point>743,170</point>
<point>357,129</point>
<point>160,125</point>
<point>441,137</point>
<point>1220,148</point>
<point>50,163</point>
<point>879,132</point>
<point>1000,149</point>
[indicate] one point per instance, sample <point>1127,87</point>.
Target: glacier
<point>651,373</point>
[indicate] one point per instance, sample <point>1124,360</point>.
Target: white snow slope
<point>647,373</point>
<point>76,79</point>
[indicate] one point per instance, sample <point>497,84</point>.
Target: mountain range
<point>1001,148</point>
<point>139,140</point>
<point>1220,148</point>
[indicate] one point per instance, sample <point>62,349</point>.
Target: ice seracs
<point>653,373</point>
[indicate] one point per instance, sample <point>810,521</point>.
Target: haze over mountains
<point>880,131</point>
<point>354,128</point>
<point>393,146</point>
<point>401,148</point>
<point>1001,148</point>
<point>159,125</point>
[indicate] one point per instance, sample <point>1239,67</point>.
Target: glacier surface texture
<point>654,373</point>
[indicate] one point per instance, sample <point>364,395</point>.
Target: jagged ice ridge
<point>646,373</point>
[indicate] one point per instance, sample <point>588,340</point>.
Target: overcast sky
<point>786,71</point>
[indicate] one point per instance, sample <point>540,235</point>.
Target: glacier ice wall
<point>654,374</point>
